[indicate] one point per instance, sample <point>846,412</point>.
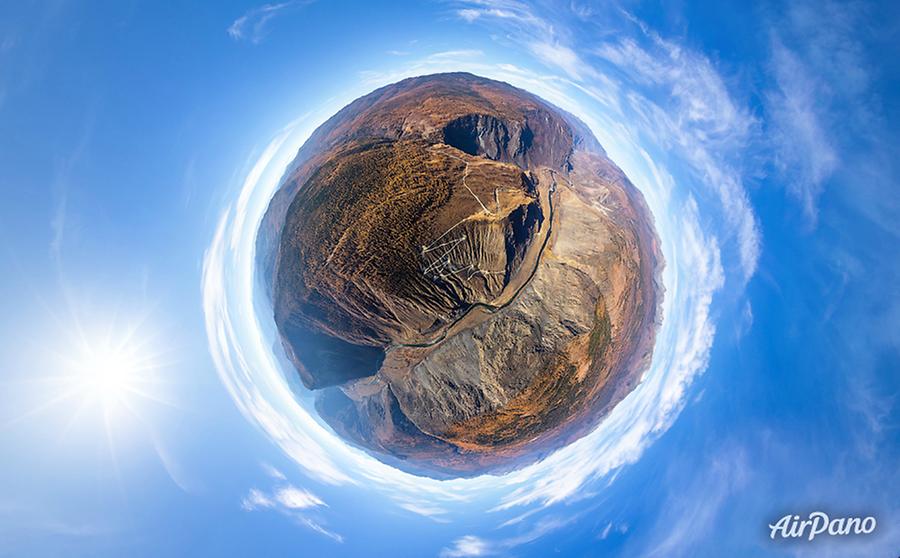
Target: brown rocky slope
<point>461,274</point>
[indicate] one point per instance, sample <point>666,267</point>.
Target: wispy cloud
<point>551,49</point>
<point>172,466</point>
<point>58,225</point>
<point>805,151</point>
<point>425,508</point>
<point>294,498</point>
<point>689,516</point>
<point>455,54</point>
<point>514,11</point>
<point>252,25</point>
<point>61,220</point>
<point>292,502</point>
<point>469,14</point>
<point>256,499</point>
<point>822,98</point>
<point>471,545</point>
<point>612,528</point>
<point>468,545</point>
<point>273,472</point>
<point>17,518</point>
<point>694,112</point>
<point>687,77</point>
<point>556,54</point>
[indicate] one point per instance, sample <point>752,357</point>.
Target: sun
<point>111,375</point>
<point>105,382</point>
<point>112,371</point>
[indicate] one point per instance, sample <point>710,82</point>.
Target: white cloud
<point>513,11</point>
<point>471,545</point>
<point>468,545</point>
<point>17,518</point>
<point>688,516</point>
<point>255,500</point>
<point>273,472</point>
<point>745,323</point>
<point>689,79</point>
<point>171,465</point>
<point>425,508</point>
<point>252,25</point>
<point>606,531</point>
<point>821,95</point>
<point>61,223</point>
<point>551,49</point>
<point>296,498</point>
<point>292,502</point>
<point>694,113</point>
<point>805,152</point>
<point>455,54</point>
<point>563,57</point>
<point>469,14</point>
<point>319,528</point>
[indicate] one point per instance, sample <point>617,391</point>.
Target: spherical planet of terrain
<point>460,275</point>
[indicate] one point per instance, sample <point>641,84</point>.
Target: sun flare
<point>110,375</point>
<point>109,372</point>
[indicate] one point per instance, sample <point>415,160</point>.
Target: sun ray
<point>111,448</point>
<point>143,394</point>
<point>82,406</point>
<point>69,394</point>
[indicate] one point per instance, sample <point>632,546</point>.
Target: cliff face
<point>462,274</point>
<point>389,242</point>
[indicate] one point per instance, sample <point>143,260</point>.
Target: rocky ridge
<point>461,274</point>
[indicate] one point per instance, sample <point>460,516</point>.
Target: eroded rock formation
<point>461,274</point>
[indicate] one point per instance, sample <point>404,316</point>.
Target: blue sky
<point>140,142</point>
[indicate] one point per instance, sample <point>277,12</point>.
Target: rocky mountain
<point>461,274</point>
